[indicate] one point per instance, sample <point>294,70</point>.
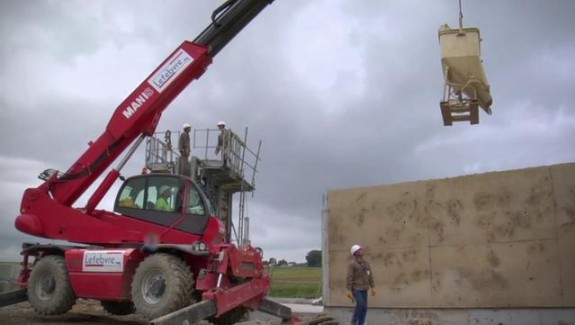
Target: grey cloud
<point>372,118</point>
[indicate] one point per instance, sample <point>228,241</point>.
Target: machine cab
<point>165,199</point>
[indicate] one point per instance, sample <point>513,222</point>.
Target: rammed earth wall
<point>494,240</point>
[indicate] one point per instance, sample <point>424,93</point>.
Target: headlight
<point>199,246</point>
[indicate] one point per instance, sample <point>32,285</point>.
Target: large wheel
<point>49,288</point>
<point>119,308</point>
<point>162,284</point>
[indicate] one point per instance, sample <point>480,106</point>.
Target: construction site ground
<point>90,312</point>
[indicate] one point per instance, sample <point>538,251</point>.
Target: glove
<point>373,291</point>
<point>350,296</point>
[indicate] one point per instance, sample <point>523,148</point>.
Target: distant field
<point>296,282</point>
<point>8,273</point>
<point>9,270</point>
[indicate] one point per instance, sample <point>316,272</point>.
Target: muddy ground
<point>84,312</point>
<point>88,312</point>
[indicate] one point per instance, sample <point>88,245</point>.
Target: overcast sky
<point>342,93</point>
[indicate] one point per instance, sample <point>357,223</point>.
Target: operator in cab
<point>162,202</point>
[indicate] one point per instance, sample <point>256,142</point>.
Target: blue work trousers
<point>360,311</point>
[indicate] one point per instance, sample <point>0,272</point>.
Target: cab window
<point>195,205</point>
<point>132,194</point>
<point>163,194</point>
<point>153,194</point>
<point>163,200</point>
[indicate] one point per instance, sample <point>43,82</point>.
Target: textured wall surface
<point>500,239</point>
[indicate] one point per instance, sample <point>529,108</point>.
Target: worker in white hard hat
<point>184,148</point>
<point>358,281</point>
<point>184,142</point>
<point>222,140</point>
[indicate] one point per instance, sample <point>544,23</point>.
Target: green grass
<point>296,282</point>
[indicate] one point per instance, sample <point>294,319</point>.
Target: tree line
<point>313,259</point>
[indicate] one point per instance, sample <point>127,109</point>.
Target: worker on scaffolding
<point>185,149</point>
<point>223,141</point>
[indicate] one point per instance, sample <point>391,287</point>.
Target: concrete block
<point>564,193</point>
<point>557,316</point>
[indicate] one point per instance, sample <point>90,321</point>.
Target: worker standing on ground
<point>222,140</point>
<point>184,148</point>
<point>359,280</point>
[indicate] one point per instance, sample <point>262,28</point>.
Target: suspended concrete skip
<point>466,87</point>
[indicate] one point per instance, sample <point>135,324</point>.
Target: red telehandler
<point>170,266</point>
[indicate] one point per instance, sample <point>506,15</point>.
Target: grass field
<point>296,282</point>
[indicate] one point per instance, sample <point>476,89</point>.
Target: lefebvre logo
<point>170,70</point>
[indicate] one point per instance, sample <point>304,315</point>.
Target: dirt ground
<point>84,312</point>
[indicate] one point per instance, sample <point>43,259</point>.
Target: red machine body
<point>137,115</point>
<point>110,269</point>
<point>134,256</point>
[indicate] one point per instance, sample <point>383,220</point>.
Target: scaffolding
<point>221,175</point>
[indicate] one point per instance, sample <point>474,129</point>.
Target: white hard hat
<point>354,249</point>
<point>186,125</point>
<point>221,123</point>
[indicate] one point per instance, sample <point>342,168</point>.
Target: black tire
<point>49,289</point>
<point>119,308</point>
<point>162,284</point>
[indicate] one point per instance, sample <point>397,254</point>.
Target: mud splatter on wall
<point>501,239</point>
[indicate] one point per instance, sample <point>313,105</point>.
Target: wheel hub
<point>46,287</point>
<point>154,288</point>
